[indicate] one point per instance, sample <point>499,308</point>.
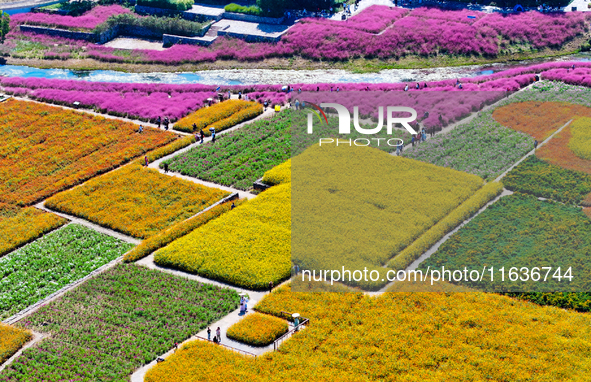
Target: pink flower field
<point>87,21</point>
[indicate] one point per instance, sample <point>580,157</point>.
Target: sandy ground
<point>134,43</point>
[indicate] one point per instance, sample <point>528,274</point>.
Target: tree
<point>4,25</point>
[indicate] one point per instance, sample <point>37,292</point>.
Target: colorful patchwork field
<point>248,246</point>
<point>220,116</point>
<point>521,231</point>
<point>43,267</point>
<point>116,322</point>
<point>240,157</point>
<point>351,337</point>
<point>258,329</point>
<point>360,216</point>
<point>47,149</point>
<point>22,225</point>
<point>11,340</point>
<point>137,201</point>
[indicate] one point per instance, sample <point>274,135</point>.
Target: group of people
<point>165,123</point>
<point>217,338</point>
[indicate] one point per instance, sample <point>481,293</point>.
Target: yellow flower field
<point>46,149</point>
<point>137,201</point>
<point>445,225</point>
<point>216,114</point>
<point>248,246</point>
<point>402,337</point>
<point>357,207</point>
<point>22,225</point>
<point>258,329</point>
<point>278,174</point>
<point>11,340</point>
<point>580,142</point>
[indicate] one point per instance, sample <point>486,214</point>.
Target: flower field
<point>22,225</point>
<point>47,149</point>
<point>240,157</point>
<point>278,174</point>
<point>257,329</point>
<point>219,116</point>
<point>463,336</point>
<point>580,142</point>
<point>87,21</point>
<point>35,271</point>
<point>11,340</point>
<point>482,147</point>
<point>137,201</point>
<point>445,225</point>
<point>248,246</point>
<point>116,322</point>
<point>539,178</point>
<point>181,229</point>
<point>354,228</point>
<point>521,231</point>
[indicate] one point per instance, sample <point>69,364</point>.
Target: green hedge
<point>169,25</point>
<point>176,5</point>
<point>252,10</point>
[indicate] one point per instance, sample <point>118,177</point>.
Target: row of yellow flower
<point>358,206</point>
<point>241,116</point>
<point>257,329</point>
<point>178,230</point>
<point>167,149</point>
<point>445,225</point>
<point>47,149</point>
<point>278,174</point>
<point>248,246</point>
<point>206,116</point>
<point>12,339</point>
<point>135,200</point>
<point>23,225</point>
<point>580,142</point>
<point>402,337</point>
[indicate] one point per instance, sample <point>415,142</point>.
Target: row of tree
<point>4,25</point>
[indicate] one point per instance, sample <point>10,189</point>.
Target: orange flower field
<point>402,337</point>
<point>234,111</point>
<point>11,339</point>
<point>557,152</point>
<point>258,329</point>
<point>137,201</point>
<point>47,149</point>
<point>22,225</point>
<point>538,119</point>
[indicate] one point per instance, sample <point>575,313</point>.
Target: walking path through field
<point>37,337</point>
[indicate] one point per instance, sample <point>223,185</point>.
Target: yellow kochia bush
<point>445,225</point>
<point>135,200</point>
<point>278,174</point>
<point>22,225</point>
<point>258,329</point>
<point>207,116</point>
<point>402,337</point>
<point>248,246</point>
<point>580,142</point>
<point>12,339</point>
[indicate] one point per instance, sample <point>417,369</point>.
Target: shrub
<point>446,225</point>
<point>257,329</point>
<point>12,339</point>
<point>178,230</point>
<point>137,201</point>
<point>251,10</point>
<point>160,25</point>
<point>176,5</point>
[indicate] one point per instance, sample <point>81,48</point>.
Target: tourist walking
<point>202,135</point>
<point>165,167</point>
<point>270,286</point>
<point>208,333</point>
<point>141,129</point>
<point>213,137</point>
<point>535,144</point>
<point>232,206</point>
<point>159,121</point>
<point>218,333</point>
<point>166,123</point>
<point>412,141</point>
<point>146,160</point>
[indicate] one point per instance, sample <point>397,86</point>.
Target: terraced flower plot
<point>22,225</point>
<point>116,322</point>
<point>258,329</point>
<point>219,116</point>
<point>521,231</point>
<point>35,271</point>
<point>463,336</point>
<point>137,201</point>
<point>349,214</point>
<point>47,149</point>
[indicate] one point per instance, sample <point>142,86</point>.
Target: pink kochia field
<point>377,32</point>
